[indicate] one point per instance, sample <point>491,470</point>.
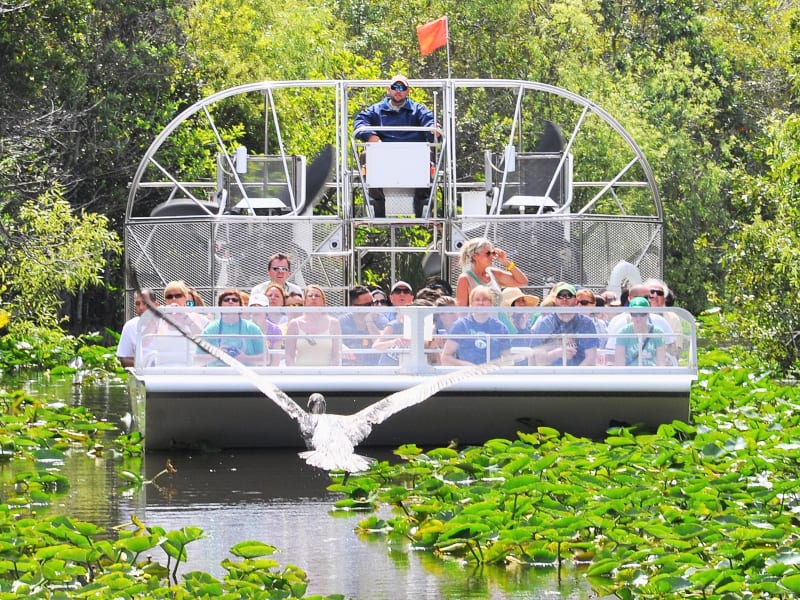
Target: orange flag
<point>432,35</point>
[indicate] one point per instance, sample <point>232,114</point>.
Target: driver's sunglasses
<point>399,87</point>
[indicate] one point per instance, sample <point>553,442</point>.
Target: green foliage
<point>685,512</point>
<point>43,556</point>
<point>762,259</point>
<point>47,250</point>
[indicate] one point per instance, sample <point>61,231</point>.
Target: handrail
<point>419,340</point>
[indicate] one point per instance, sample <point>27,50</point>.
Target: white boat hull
<point>224,411</point>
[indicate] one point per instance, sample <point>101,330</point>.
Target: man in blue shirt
<point>567,341</point>
<point>396,110</point>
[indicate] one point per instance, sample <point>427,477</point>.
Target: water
<point>274,497</point>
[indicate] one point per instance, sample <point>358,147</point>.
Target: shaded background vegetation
<point>707,88</point>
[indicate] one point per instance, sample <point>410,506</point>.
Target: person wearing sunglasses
<point>478,256</point>
<point>161,343</point>
<point>279,269</point>
<point>564,337</point>
<point>391,338</point>
<point>379,298</point>
<point>640,342</point>
<point>396,110</point>
<point>620,320</point>
<point>658,294</point>
<point>359,329</point>
<point>587,298</point>
<point>239,337</point>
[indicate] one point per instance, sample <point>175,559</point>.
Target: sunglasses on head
<point>399,87</point>
<point>656,292</point>
<point>171,296</point>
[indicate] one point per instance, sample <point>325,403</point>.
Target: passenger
<point>401,294</point>
<point>442,323</point>
<point>621,319</point>
<point>444,320</point>
<point>550,298</point>
<point>272,332</point>
<point>558,348</point>
<point>391,338</point>
<point>129,337</point>
<point>237,336</point>
<point>360,329</point>
<point>647,348</point>
<point>313,338</point>
<point>587,299</point>
<point>276,298</point>
<point>429,294</point>
<point>440,285</point>
<point>294,299</point>
<point>396,110</point>
<point>481,336</point>
<point>519,323</point>
<point>195,299</point>
<point>279,269</point>
<point>379,298</point>
<point>476,261</point>
<point>659,292</point>
<point>178,294</point>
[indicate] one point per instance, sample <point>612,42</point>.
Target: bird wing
<point>270,390</point>
<point>360,424</point>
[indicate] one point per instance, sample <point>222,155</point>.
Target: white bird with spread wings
<point>332,438</point>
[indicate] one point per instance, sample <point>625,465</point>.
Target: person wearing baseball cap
<point>555,344</point>
<point>640,342</point>
<point>395,110</point>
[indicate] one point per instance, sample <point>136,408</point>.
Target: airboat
<point>275,166</point>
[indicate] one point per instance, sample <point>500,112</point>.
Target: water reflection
<point>274,497</point>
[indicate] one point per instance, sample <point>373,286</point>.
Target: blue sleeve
<point>366,118</point>
<point>423,117</point>
<point>541,327</point>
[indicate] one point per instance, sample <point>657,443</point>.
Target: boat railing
<point>411,341</point>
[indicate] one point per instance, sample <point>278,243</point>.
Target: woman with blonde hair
<point>313,338</point>
<point>477,261</point>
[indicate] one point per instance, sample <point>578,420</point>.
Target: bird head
<point>316,404</point>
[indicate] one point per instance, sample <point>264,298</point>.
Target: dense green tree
<point>696,82</point>
<point>86,86</point>
<point>48,249</point>
<point>762,260</point>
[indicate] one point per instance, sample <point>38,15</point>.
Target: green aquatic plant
<point>706,509</point>
<point>43,556</point>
